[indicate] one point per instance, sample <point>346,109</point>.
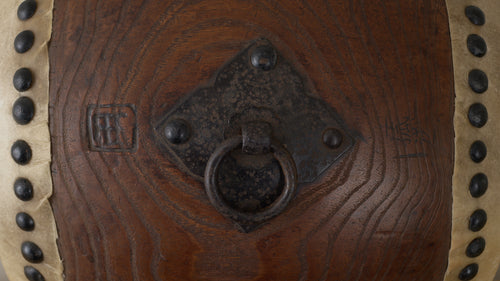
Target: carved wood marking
<point>407,131</point>
<point>112,128</point>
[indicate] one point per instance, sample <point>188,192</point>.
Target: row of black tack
<point>23,112</point>
<point>478,116</point>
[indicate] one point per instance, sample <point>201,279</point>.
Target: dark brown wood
<point>382,213</point>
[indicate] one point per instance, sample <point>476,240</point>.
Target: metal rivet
<point>475,15</point>
<point>477,220</point>
<point>478,115</point>
<point>21,152</point>
<point>469,272</point>
<point>33,274</point>
<point>478,151</point>
<point>332,138</point>
<point>478,185</point>
<point>26,10</point>
<point>177,131</point>
<point>23,189</point>
<point>478,81</point>
<point>23,79</point>
<point>31,252</point>
<point>23,110</point>
<point>25,221</point>
<point>476,45</point>
<point>476,247</point>
<point>24,41</point>
<point>264,57</point>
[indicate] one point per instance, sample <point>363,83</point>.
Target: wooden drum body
<point>373,124</point>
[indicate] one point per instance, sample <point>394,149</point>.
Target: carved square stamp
<point>112,127</point>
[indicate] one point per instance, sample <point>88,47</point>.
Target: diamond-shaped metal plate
<point>243,93</point>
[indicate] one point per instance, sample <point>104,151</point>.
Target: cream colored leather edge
<point>36,133</point>
<point>465,134</point>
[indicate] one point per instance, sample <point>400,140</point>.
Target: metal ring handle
<point>289,173</point>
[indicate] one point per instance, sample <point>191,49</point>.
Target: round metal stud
<point>264,57</point>
<point>478,151</point>
<point>332,138</point>
<point>33,274</point>
<point>478,185</point>
<point>475,15</point>
<point>23,79</point>
<point>23,110</point>
<point>478,115</point>
<point>476,247</point>
<point>31,252</point>
<point>476,45</point>
<point>25,221</point>
<point>21,152</point>
<point>177,131</point>
<point>469,272</point>
<point>478,81</point>
<point>477,220</point>
<point>23,189</point>
<point>24,41</point>
<point>26,10</point>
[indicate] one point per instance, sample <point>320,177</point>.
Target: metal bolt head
<point>23,110</point>
<point>475,15</point>
<point>23,189</point>
<point>177,131</point>
<point>23,79</point>
<point>332,138</point>
<point>264,57</point>
<point>26,10</point>
<point>24,41</point>
<point>31,252</point>
<point>21,152</point>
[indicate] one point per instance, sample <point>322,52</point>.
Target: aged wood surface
<point>382,213</point>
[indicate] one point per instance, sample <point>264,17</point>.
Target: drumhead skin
<point>95,187</point>
<point>475,247</point>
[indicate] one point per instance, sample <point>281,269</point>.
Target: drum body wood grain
<point>383,212</point>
